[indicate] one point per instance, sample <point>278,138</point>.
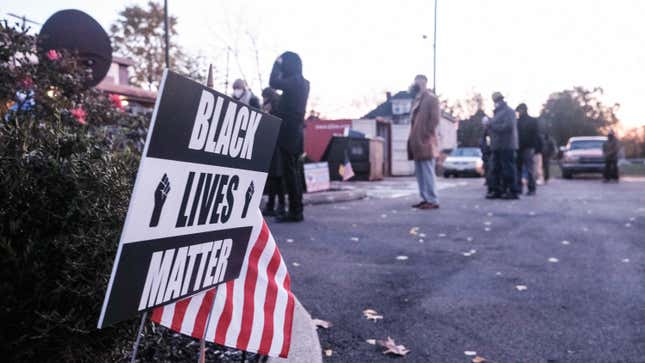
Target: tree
<point>577,112</point>
<point>139,34</point>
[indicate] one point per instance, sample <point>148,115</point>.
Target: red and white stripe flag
<point>253,312</point>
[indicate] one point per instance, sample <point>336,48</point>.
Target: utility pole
<point>434,52</point>
<point>165,25</point>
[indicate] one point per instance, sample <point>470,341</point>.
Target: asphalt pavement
<point>558,277</point>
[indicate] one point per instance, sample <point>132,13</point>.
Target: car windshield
<point>470,151</point>
<point>586,144</point>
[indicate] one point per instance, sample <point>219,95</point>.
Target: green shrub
<point>64,188</point>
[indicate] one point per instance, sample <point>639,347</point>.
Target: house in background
<point>395,113</point>
<point>117,82</point>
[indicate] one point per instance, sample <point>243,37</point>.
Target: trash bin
<point>365,155</point>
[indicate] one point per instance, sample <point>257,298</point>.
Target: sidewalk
<point>305,346</point>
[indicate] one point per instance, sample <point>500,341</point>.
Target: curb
<point>305,346</point>
<point>344,195</point>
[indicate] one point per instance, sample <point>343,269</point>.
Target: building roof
<point>385,108</point>
<point>122,60</point>
<point>130,92</point>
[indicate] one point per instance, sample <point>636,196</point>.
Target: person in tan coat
<point>422,143</point>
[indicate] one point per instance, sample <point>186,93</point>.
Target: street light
<point>434,50</point>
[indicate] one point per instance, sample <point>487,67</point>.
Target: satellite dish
<point>78,32</point>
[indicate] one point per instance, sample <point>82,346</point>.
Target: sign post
<point>191,213</point>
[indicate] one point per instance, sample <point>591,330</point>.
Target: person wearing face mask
<point>286,75</point>
<point>504,145</point>
<point>423,145</point>
<point>242,93</point>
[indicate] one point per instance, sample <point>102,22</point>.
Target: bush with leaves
<point>64,188</point>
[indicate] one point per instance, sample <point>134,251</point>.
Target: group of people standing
<point>285,173</point>
<point>510,142</point>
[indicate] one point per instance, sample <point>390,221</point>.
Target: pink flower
<point>79,114</point>
<point>53,55</point>
<point>116,101</point>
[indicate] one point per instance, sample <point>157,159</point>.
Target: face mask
<point>238,92</point>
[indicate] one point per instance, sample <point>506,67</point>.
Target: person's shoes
<point>268,212</point>
<point>418,204</point>
<point>493,195</point>
<point>289,218</point>
<point>510,196</point>
<point>428,205</point>
<point>530,192</point>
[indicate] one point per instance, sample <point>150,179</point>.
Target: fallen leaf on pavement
<point>371,314</point>
<point>470,353</point>
<point>328,352</point>
<point>414,231</point>
<point>487,229</point>
<point>371,341</point>
<point>521,287</point>
<point>401,258</point>
<point>479,359</point>
<point>422,235</point>
<point>289,240</point>
<point>322,323</point>
<point>355,239</point>
<point>469,253</point>
<point>625,260</point>
<point>553,260</point>
<point>392,347</point>
<point>566,243</point>
<point>296,264</point>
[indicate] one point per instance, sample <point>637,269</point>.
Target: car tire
<point>446,174</point>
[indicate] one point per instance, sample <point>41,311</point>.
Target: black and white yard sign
<point>195,199</point>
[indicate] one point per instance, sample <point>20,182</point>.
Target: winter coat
<point>548,147</point>
<point>425,113</point>
<point>528,132</point>
<point>611,148</point>
<point>287,76</point>
<point>275,170</point>
<point>503,129</point>
<point>249,99</point>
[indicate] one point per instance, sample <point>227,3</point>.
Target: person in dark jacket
<point>242,93</point>
<point>504,144</point>
<point>275,185</point>
<point>610,150</point>
<point>286,75</point>
<point>529,140</point>
<point>484,146</point>
<point>548,150</point>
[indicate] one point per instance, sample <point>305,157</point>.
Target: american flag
<point>253,312</point>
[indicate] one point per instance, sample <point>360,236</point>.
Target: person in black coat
<point>286,76</point>
<point>275,185</point>
<point>528,135</point>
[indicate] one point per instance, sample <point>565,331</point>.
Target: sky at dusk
<point>355,51</point>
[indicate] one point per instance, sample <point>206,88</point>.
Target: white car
<point>464,161</point>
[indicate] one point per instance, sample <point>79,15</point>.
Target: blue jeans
<point>427,180</point>
<point>525,161</point>
<point>504,172</point>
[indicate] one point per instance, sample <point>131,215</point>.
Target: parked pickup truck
<point>583,154</point>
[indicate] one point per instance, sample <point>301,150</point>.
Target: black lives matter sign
<point>195,200</point>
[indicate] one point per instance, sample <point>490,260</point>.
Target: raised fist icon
<point>248,197</point>
<point>161,192</point>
